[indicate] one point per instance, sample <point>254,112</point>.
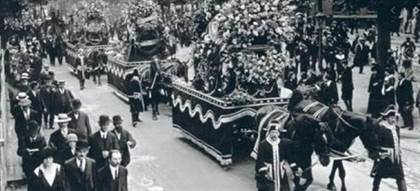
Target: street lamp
<point>319,25</point>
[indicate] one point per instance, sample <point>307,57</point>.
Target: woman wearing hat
<point>30,148</point>
<point>389,163</point>
<point>49,176</point>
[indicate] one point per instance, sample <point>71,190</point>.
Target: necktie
<point>116,174</point>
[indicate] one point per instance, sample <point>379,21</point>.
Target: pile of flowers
<point>141,8</point>
<point>243,42</point>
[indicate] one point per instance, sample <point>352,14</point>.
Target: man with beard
<point>81,170</point>
<point>113,177</point>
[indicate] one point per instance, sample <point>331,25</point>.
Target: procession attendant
<point>60,49</point>
<point>102,142</point>
<point>51,49</point>
<point>125,139</point>
<point>361,57</point>
<point>155,88</point>
<point>49,176</point>
<point>58,139</point>
<point>62,99</point>
<point>22,117</point>
<point>113,177</point>
<point>137,104</point>
<point>389,164</point>
<point>329,92</point>
<point>80,122</point>
<point>405,101</point>
<point>81,69</point>
<point>388,89</point>
<point>376,103</point>
<point>81,170</point>
<point>347,86</point>
<point>30,149</point>
<point>272,169</point>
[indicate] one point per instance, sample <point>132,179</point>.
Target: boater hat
<point>22,96</point>
<point>62,118</point>
<point>72,137</point>
<point>25,102</point>
<point>24,76</point>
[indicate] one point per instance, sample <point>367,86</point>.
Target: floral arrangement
<point>243,46</point>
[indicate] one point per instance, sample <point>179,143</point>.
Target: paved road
<point>163,160</point>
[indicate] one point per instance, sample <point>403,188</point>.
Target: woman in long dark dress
<point>389,163</point>
<point>49,176</point>
<point>376,102</point>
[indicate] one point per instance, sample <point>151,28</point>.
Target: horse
<point>306,133</point>
<point>343,127</point>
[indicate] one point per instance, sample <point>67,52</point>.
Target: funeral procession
<point>210,95</point>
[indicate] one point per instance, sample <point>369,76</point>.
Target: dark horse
<point>306,133</point>
<point>344,127</point>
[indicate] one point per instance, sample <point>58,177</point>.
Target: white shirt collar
<point>103,134</point>
<point>113,169</point>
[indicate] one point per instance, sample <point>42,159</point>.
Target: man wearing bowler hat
<point>80,121</point>
<point>125,139</point>
<point>102,142</point>
<point>63,98</point>
<point>81,170</point>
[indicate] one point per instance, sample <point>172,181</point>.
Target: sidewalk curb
<point>409,134</point>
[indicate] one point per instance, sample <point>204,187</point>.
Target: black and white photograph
<point>209,95</point>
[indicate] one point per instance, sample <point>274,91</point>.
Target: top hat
<point>62,118</point>
<point>22,96</point>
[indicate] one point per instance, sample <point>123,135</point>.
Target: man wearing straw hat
<point>23,116</point>
<point>58,139</point>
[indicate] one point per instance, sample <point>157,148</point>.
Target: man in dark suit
<point>113,177</point>
<point>23,115</point>
<point>102,142</point>
<point>58,139</point>
<point>62,99</point>
<point>125,139</point>
<point>35,97</point>
<point>329,92</point>
<point>405,101</point>
<point>80,121</point>
<point>47,93</point>
<point>81,170</point>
